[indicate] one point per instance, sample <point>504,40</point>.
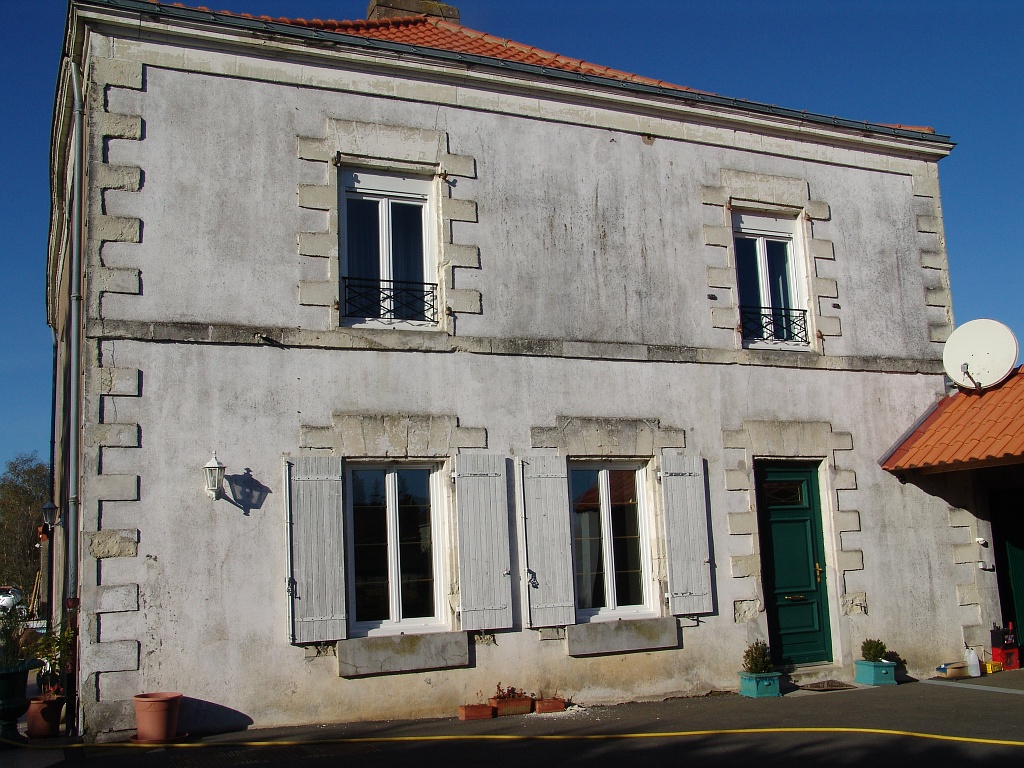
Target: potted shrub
<point>758,678</point>
<point>874,669</point>
<point>15,663</point>
<point>53,649</point>
<point>511,701</point>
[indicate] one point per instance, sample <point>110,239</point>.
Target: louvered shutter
<point>686,533</point>
<point>481,500</point>
<point>549,576</point>
<point>316,524</point>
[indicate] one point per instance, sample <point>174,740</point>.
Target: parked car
<point>11,599</point>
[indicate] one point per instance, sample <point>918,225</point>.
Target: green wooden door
<point>1015,572</point>
<point>793,563</point>
<point>1008,540</point>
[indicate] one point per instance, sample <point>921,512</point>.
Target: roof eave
<point>934,142</point>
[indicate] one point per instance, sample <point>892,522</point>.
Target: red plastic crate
<point>1008,657</point>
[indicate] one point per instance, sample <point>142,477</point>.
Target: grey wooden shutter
<point>549,574</point>
<point>485,583</point>
<point>686,533</point>
<point>316,525</point>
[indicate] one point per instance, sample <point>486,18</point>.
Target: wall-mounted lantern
<point>214,472</point>
<point>50,514</point>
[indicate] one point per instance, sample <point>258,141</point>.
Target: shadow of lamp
<point>246,492</point>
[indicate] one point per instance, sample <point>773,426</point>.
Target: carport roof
<point>966,430</point>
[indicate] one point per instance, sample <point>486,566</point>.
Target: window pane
<point>778,274</point>
<point>747,278</point>
<point>778,286</point>
<point>362,275</point>
<point>749,287</point>
<point>370,545</point>
<point>407,241</point>
<point>407,260</point>
<point>415,548</point>
<point>586,538</point>
<point>625,518</point>
<point>784,492</point>
<point>363,228</point>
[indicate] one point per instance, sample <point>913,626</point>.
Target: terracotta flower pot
<point>549,705</point>
<point>156,716</point>
<point>43,717</point>
<point>520,705</point>
<point>476,712</point>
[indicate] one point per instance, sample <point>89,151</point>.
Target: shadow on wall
<point>197,716</point>
<point>247,493</point>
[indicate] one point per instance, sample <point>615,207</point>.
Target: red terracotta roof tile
<point>967,429</point>
<point>430,32</point>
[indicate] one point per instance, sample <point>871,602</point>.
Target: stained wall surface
<point>604,290</point>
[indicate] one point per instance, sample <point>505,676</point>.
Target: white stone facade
<point>585,264</point>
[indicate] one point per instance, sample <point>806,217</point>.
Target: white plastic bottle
<point>973,664</point>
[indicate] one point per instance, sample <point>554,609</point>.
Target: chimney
<point>392,9</point>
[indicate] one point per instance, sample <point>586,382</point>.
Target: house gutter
<point>74,332</point>
<point>156,9</point>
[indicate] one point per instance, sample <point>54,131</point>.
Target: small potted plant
<point>53,648</point>
<point>874,669</point>
<point>15,663</point>
<point>511,701</point>
<point>758,679</point>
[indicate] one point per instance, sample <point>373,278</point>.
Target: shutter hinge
<point>290,588</point>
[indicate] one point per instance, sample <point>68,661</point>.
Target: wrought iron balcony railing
<point>389,299</point>
<point>774,324</point>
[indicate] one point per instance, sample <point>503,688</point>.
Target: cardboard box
<point>953,670</point>
<point>991,667</point>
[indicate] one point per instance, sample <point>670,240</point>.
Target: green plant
<point>53,648</point>
<point>13,637</point>
<point>872,650</point>
<point>757,659</point>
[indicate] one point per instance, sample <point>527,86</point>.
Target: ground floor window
<point>393,547</point>
<point>608,538</point>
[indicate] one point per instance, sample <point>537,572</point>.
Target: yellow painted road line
<point>537,737</point>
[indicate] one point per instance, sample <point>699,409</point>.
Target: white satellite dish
<point>980,354</point>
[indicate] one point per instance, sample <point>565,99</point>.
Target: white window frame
<point>763,227</point>
<point>357,184</point>
<point>439,545</point>
<point>612,610</point>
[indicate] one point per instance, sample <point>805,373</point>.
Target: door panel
<point>792,563</point>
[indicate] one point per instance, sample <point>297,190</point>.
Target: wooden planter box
<point>759,685</point>
<point>875,672</point>
<point>476,712</point>
<point>549,705</point>
<point>518,706</point>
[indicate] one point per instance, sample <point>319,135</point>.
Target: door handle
<point>795,597</point>
<point>817,572</point>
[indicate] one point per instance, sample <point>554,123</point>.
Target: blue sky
<point>949,64</point>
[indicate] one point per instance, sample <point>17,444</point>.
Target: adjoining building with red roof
<point>968,449</point>
<point>396,359</point>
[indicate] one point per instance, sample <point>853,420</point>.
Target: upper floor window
<point>772,306</point>
<point>608,539</point>
<point>387,263</point>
